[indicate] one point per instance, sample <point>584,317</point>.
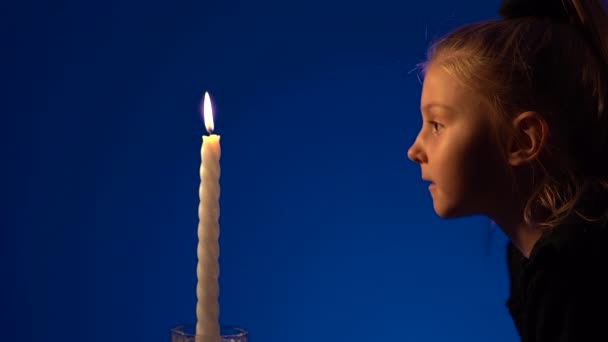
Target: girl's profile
<point>515,127</point>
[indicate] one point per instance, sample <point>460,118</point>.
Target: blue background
<point>327,231</point>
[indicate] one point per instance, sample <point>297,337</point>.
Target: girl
<point>515,127</point>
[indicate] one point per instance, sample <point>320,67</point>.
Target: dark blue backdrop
<point>327,231</point>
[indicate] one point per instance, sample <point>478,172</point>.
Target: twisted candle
<point>208,251</point>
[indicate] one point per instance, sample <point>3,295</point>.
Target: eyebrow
<point>428,106</point>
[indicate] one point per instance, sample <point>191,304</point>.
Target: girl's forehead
<point>442,91</point>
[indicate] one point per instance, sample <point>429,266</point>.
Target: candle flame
<point>208,113</point>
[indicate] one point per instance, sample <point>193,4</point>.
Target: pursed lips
<point>432,185</point>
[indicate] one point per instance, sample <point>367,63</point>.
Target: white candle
<point>207,271</point>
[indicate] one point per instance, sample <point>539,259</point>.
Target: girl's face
<point>456,148</point>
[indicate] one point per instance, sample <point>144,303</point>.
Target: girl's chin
<point>447,212</point>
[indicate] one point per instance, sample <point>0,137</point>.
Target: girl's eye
<point>436,126</point>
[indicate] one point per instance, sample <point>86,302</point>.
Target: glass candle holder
<point>187,333</point>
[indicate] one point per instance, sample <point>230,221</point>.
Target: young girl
<point>515,127</point>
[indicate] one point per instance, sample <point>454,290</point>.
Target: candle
<point>207,271</point>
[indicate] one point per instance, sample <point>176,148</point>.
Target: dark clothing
<point>561,292</point>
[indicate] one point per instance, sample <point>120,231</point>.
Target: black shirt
<point>561,292</point>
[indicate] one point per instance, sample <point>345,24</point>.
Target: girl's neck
<point>508,213</point>
<point>523,237</point>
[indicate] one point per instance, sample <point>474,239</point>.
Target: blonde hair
<point>560,70</point>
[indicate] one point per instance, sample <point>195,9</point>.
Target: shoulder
<point>566,251</point>
<point>568,257</point>
<point>571,261</point>
<point>576,245</point>
<point>564,285</point>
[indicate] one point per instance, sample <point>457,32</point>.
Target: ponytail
<point>592,16</point>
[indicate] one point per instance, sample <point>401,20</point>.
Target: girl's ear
<point>530,132</point>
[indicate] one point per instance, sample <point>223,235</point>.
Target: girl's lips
<point>432,186</point>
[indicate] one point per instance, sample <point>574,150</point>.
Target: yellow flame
<point>208,113</point>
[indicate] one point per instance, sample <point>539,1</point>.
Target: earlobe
<point>530,131</point>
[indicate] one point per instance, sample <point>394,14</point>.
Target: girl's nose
<point>416,154</point>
